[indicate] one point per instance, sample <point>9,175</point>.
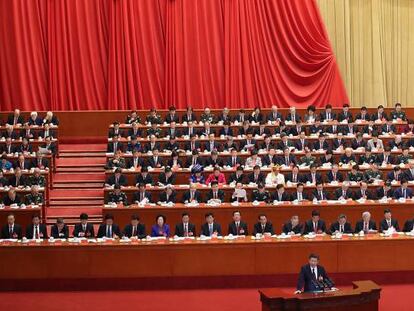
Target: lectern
<point>364,296</point>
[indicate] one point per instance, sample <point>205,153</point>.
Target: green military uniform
<point>404,158</point>
<point>154,119</point>
<point>116,163</point>
<point>207,118</point>
<point>372,158</point>
<point>154,131</point>
<point>118,198</point>
<point>261,196</point>
<point>398,115</point>
<point>370,175</point>
<point>34,199</point>
<point>308,161</point>
<point>37,180</point>
<point>358,176</point>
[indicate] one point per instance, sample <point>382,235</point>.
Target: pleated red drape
<point>128,54</point>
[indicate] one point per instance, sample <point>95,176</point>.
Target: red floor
<point>393,297</point>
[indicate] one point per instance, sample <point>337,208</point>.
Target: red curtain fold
<point>128,54</point>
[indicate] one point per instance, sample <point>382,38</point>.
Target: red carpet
<point>393,297</point>
<point>82,147</point>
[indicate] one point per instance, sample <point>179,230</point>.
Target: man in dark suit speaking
<point>312,277</point>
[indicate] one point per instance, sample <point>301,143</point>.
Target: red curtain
<point>128,54</point>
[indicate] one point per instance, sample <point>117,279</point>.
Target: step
<point>76,177</point>
<point>70,211</point>
<point>99,169</point>
<point>81,161</point>
<point>81,154</point>
<point>74,203</point>
<point>82,147</point>
<point>78,185</point>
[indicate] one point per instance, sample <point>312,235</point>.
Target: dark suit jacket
<point>162,178</point>
<point>137,196</point>
<point>257,228</point>
<point>285,197</point>
<point>239,161</point>
<point>17,232</point>
<point>64,234</point>
<point>122,180</point>
<point>384,225</point>
<point>179,230</point>
<point>398,193</point>
<point>151,161</point>
<point>318,177</point>
<point>147,180</point>
<point>335,227</point>
<point>9,202</point>
<point>110,147</point>
<point>266,161</point>
<point>360,226</point>
<point>130,162</point>
<point>163,197</point>
<point>409,225</point>
<point>294,196</point>
<point>316,194</point>
<point>102,230</point>
<point>187,195</point>
<point>260,178</point>
<point>287,227</point>
<point>358,194</point>
<point>220,194</point>
<point>22,181</point>
<point>338,194</point>
<point>339,176</point>
<point>242,228</point>
<point>309,226</point>
<point>305,280</point>
<point>380,193</point>
<point>223,131</point>
<point>140,231</point>
<point>42,231</point>
<point>88,233</point>
<point>206,232</point>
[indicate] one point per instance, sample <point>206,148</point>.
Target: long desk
<point>41,261</point>
<point>182,176</point>
<point>277,214</point>
<point>228,190</point>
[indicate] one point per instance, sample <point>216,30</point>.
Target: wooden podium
<point>364,296</point>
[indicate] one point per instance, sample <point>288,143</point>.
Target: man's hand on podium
<point>298,292</point>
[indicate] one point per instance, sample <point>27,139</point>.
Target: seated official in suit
<point>403,191</point>
<point>174,162</point>
<point>263,226</point>
<point>11,230</point>
<point>135,229</point>
<point>161,228</point>
<point>280,194</point>
<point>84,229</point>
<point>385,191</point>
<point>115,130</point>
<point>293,226</point>
<point>192,195</point>
<point>117,196</point>
<point>409,225</point>
<point>167,177</point>
<point>115,145</point>
<point>366,225</point>
<point>133,117</point>
<point>155,161</point>
<point>256,177</point>
<point>237,226</point>
<point>36,230</point>
<point>389,222</point>
<point>315,225</point>
<point>144,177</point>
<point>109,229</point>
<point>185,228</point>
<point>363,192</point>
<point>319,193</point>
<point>59,230</point>
<point>239,194</point>
<point>343,193</point>
<point>12,198</point>
<point>117,179</point>
<point>167,196</point>
<point>210,227</point>
<point>311,275</point>
<point>299,195</point>
<point>215,193</point>
<point>15,118</point>
<point>142,196</point>
<point>134,145</point>
<point>295,177</point>
<point>238,176</point>
<point>18,179</point>
<point>341,225</point>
